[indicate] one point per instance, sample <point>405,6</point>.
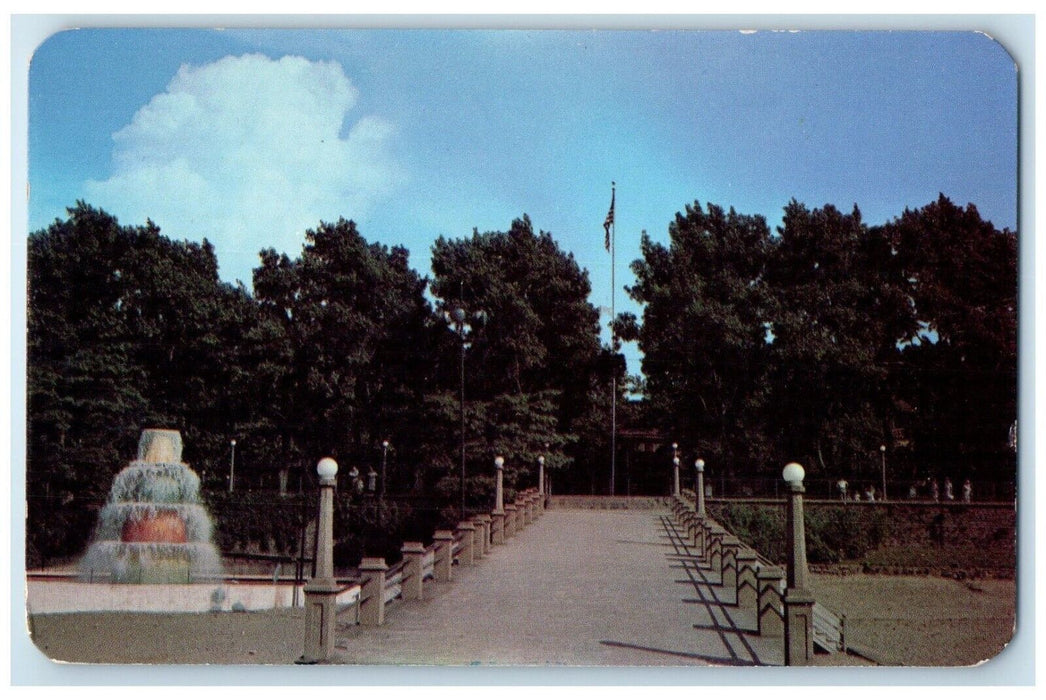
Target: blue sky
<point>248,137</point>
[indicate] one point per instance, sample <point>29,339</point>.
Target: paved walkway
<point>577,587</point>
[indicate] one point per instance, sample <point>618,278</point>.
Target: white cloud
<point>248,152</point>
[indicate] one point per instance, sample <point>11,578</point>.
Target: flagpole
<point>613,345</point>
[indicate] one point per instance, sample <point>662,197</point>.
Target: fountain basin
<point>49,594</point>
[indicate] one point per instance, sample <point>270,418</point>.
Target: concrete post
<point>691,529</point>
<point>497,523</point>
<point>747,585</point>
<point>322,590</point>
<point>728,575</point>
<point>798,602</point>
<point>372,593</point>
<point>467,532</point>
<point>413,553</point>
<point>499,493</point>
<point>796,536</point>
<point>700,496</point>
<point>771,615</point>
<point>477,538</point>
<point>799,627</point>
<point>443,561</point>
<point>715,558</point>
<point>707,527</point>
<point>541,476</point>
<point>484,521</point>
<point>510,521</point>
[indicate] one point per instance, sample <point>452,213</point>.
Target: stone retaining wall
<point>608,502</point>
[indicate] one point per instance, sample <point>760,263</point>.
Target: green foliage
<point>761,528</point>
<point>830,338</point>
<point>704,332</point>
<point>126,329</point>
<point>532,357</point>
<point>833,534</point>
<point>840,533</point>
<point>817,343</point>
<point>352,333</point>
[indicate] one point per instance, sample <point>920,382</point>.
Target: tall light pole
<point>541,475</point>
<point>457,315</point>
<point>232,464</point>
<point>675,469</point>
<point>699,465</point>
<point>458,318</point>
<point>882,451</point>
<point>384,454</point>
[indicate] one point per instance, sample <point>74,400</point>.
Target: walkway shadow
<point>720,614</point>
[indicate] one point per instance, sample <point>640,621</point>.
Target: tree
<point>351,333</point>
<point>839,315</point>
<point>531,365</point>
<point>127,330</point>
<point>704,332</point>
<point>960,373</point>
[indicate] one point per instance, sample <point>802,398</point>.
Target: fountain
<point>153,528</point>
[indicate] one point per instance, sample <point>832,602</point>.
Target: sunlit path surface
<point>577,587</point>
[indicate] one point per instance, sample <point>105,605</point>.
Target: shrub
<point>833,534</point>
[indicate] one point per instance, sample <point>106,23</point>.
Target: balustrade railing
<point>380,587</point>
<point>755,580</point>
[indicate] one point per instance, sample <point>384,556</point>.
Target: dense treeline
<point>827,339</point>
<point>817,342</point>
<point>336,351</point>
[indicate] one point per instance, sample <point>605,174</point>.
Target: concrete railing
<point>382,587</point>
<point>755,582</point>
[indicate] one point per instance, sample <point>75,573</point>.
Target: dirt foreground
<point>898,620</point>
<point>922,621</point>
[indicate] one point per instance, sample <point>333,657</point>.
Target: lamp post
<point>384,454</point>
<point>798,602</point>
<point>882,451</point>
<point>232,464</point>
<point>541,476</point>
<point>499,499</point>
<point>699,465</point>
<point>675,469</point>
<point>322,590</point>
<point>457,315</point>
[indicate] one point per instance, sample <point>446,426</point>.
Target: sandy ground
<point>917,621</point>
<point>904,621</point>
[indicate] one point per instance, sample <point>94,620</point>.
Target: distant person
<point>913,492</point>
<point>842,489</point>
<point>354,480</point>
<point>935,491</point>
<point>949,493</point>
<point>967,491</point>
<point>869,494</point>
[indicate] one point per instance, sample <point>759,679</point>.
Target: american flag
<point>609,221</point>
